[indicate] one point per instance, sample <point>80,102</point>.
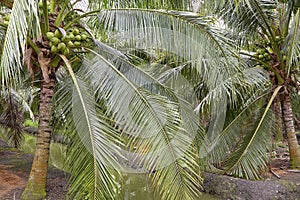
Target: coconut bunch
<point>265,53</point>
<point>61,41</point>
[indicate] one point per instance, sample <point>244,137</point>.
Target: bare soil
<point>14,171</point>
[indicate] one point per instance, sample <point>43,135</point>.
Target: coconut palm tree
<point>100,100</point>
<point>268,31</point>
<point>265,34</point>
<point>106,105</point>
<point>224,85</point>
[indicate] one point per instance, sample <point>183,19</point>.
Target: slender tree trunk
<point>294,150</point>
<point>36,186</point>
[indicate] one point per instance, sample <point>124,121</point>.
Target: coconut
<point>61,46</point>
<point>66,39</point>
<point>83,36</point>
<point>77,44</point>
<point>277,38</point>
<point>266,55</point>
<point>70,44</point>
<point>50,35</point>
<point>66,51</point>
<point>71,36</point>
<point>57,33</point>
<point>75,31</point>
<point>7,17</point>
<point>55,40</point>
<point>77,38</point>
<point>5,23</point>
<point>54,49</point>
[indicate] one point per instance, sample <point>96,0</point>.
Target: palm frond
<point>237,87</point>
<point>151,83</point>
<point>153,124</point>
<point>11,118</point>
<point>291,45</point>
<point>244,154</point>
<point>26,98</point>
<point>156,84</point>
<point>23,14</point>
<point>93,152</point>
<point>2,37</point>
<point>150,4</point>
<point>184,34</point>
<point>261,14</point>
<point>252,155</point>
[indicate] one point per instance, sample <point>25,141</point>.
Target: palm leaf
<point>260,14</point>
<point>245,154</point>
<point>93,152</point>
<point>153,125</point>
<point>184,34</point>
<point>11,118</point>
<point>23,13</point>
<point>150,83</point>
<point>291,45</point>
<point>150,4</point>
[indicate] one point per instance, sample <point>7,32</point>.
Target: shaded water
<point>136,187</point>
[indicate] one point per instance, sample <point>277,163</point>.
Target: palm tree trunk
<point>36,186</point>
<point>294,150</point>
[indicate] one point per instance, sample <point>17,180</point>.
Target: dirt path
<point>14,170</point>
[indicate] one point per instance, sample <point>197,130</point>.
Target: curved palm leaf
<point>150,4</point>
<point>154,125</point>
<point>150,83</point>
<point>93,153</point>
<point>168,30</point>
<point>247,20</point>
<point>23,16</point>
<point>291,45</point>
<point>238,152</point>
<point>184,34</point>
<point>11,118</point>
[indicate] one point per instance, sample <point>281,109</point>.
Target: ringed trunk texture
<point>294,150</point>
<point>36,186</point>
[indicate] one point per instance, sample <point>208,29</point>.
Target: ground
<point>15,167</point>
<point>14,171</point>
<point>279,183</point>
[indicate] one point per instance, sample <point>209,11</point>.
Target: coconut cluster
<point>264,53</point>
<point>62,42</point>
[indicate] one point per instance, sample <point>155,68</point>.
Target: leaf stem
<point>34,47</point>
<point>45,13</point>
<point>79,17</point>
<point>60,15</point>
